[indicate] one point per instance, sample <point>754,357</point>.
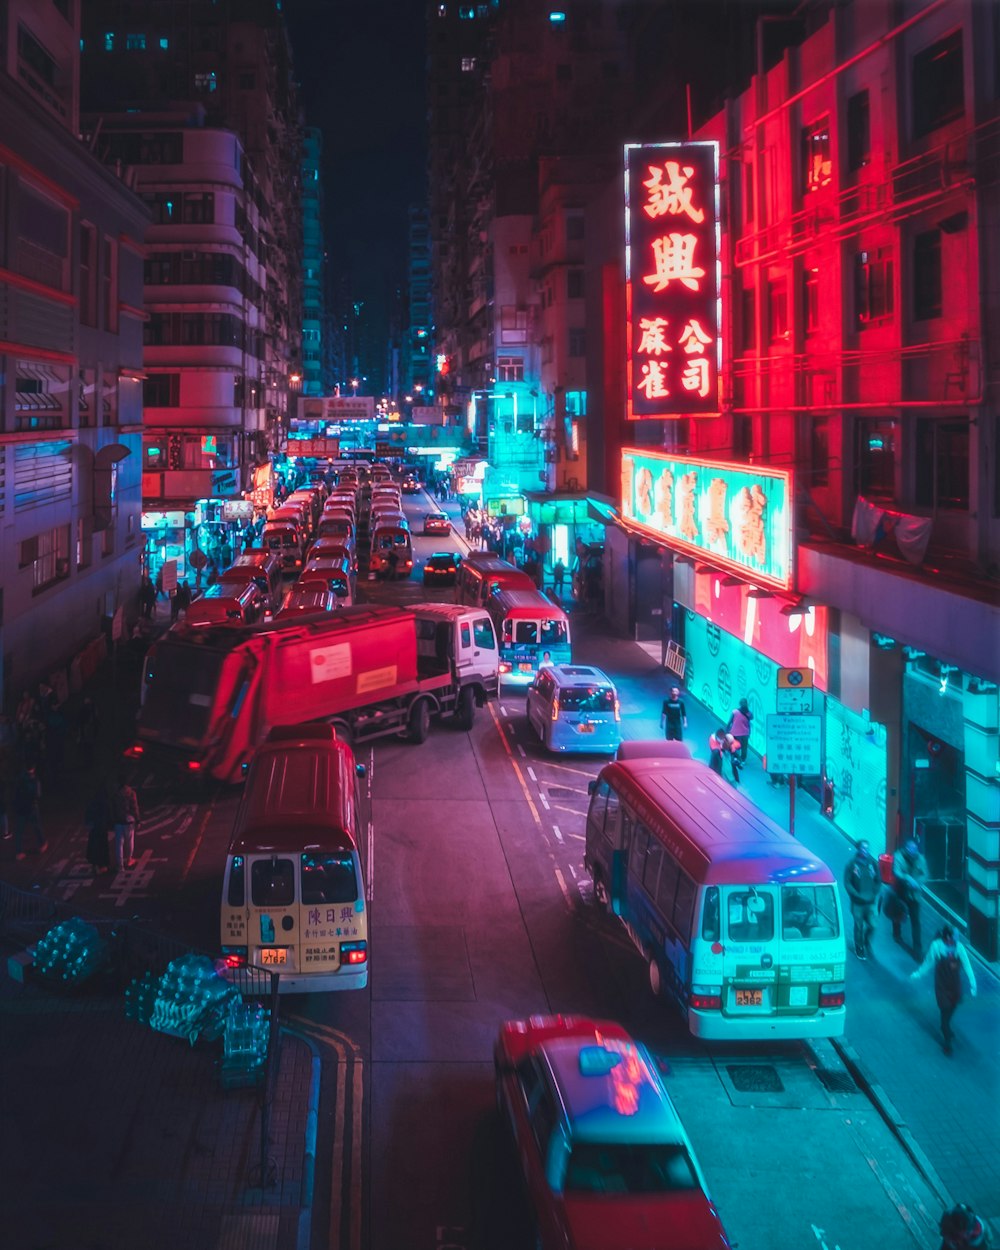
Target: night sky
<point>361,68</point>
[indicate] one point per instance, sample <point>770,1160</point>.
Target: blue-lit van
<point>574,707</point>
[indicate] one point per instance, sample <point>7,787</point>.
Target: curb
<point>895,1122</point>
<point>304,1234</point>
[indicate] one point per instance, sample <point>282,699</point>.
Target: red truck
<point>210,695</point>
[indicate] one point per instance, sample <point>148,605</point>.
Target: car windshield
<point>587,699</point>
<point>621,1168</point>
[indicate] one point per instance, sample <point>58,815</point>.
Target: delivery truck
<point>211,694</point>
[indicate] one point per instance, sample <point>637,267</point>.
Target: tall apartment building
<point>313,264</point>
<point>199,99</point>
<point>418,364</point>
<point>859,374</point>
<point>70,360</point>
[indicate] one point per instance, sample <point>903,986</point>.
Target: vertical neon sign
<point>672,280</point>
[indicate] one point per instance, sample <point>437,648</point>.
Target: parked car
<point>604,1153</point>
<point>441,568</point>
<point>436,523</point>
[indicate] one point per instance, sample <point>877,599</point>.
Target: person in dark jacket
<point>909,870</point>
<point>863,885</point>
<point>739,727</point>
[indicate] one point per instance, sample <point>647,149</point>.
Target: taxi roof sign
<point>794,678</point>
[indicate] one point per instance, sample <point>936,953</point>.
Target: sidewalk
<point>115,1135</point>
<point>945,1110</point>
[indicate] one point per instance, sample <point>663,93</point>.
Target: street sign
<point>794,744</point>
<point>793,699</point>
<point>794,678</point>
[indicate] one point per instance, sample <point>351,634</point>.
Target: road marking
<point>531,774</point>
<point>577,837</point>
<point>558,807</point>
<point>562,886</point>
<point>503,710</point>
<point>544,801</point>
<point>521,751</point>
<point>555,830</point>
<point>517,768</point>
<point>565,768</point>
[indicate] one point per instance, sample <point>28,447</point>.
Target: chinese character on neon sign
<point>672,280</point>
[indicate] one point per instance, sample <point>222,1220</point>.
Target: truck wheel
<point>602,899</point>
<point>466,713</point>
<point>655,976</point>
<point>420,721</point>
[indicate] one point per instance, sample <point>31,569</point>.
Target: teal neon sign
<point>738,517</point>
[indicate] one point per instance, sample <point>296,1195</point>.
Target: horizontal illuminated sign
<point>737,517</point>
<point>672,280</point>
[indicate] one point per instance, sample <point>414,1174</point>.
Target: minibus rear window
<point>587,699</point>
<point>809,911</point>
<point>749,915</point>
<point>553,632</point>
<point>328,879</point>
<point>236,894</point>
<point>272,883</point>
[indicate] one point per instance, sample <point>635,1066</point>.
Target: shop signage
<point>738,517</point>
<point>349,408</point>
<point>237,510</point>
<point>162,520</point>
<point>672,280</point>
<point>512,505</point>
<point>328,448</point>
<point>795,744</point>
<point>224,482</point>
<point>426,414</point>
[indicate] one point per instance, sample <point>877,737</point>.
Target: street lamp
<point>354,385</point>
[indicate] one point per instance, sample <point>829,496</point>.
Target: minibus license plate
<point>524,668</point>
<point>749,998</point>
<point>586,728</point>
<point>271,955</point>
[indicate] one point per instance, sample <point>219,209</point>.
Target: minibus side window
<point>272,882</point>
<point>710,930</point>
<point>667,887</point>
<point>328,879</point>
<point>611,827</point>
<point>684,905</point>
<point>637,856</point>
<point>651,872</point>
<point>236,893</point>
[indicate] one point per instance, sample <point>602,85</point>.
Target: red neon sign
<point>672,280</point>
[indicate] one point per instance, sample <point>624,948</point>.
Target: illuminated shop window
<point>817,164</point>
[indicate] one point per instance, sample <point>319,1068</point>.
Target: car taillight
<point>504,667</point>
<point>194,766</point>
<point>618,710</point>
<point>135,750</point>
<point>706,998</point>
<point>831,996</point>
<point>353,952</point>
<point>555,709</point>
<point>234,956</point>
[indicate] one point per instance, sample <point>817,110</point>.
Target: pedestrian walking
<point>947,956</point>
<point>863,885</point>
<point>673,716</point>
<point>97,818</point>
<point>558,577</point>
<point>125,814</point>
<point>183,597</point>
<point>26,808</point>
<point>962,1229</point>
<point>716,747</point>
<point>147,598</point>
<point>739,727</point>
<point>909,871</point>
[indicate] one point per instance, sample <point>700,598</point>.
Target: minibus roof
<point>727,839</point>
<point>298,797</point>
<point>522,601</point>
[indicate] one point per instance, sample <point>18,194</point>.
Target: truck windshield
<point>179,684</point>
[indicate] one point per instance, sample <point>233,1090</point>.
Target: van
<point>335,547</point>
<point>284,538</point>
<point>298,514</point>
<point>309,598</point>
<point>293,889</point>
<point>227,603</point>
<point>263,566</point>
<point>531,630</point>
<point>573,707</point>
<point>482,573</point>
<point>332,575</point>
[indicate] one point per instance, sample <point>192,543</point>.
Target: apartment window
<point>513,324</point>
<point>84,543</point>
<point>109,284</point>
<point>817,164</point>
<point>748,209</point>
<point>875,453</point>
<point>206,82</point>
<point>135,43</point>
<point>810,300</point>
<point>88,274</point>
<point>199,209</point>
<point>777,310</point>
<point>927,275</point>
<point>574,226</point>
<point>938,90</point>
<point>468,64</point>
<point>942,460</point>
<point>109,41</point>
<point>86,403</point>
<point>161,390</point>
<point>574,284</point>
<point>873,281</point>
<point>577,342</point>
<point>859,135</point>
<point>41,249</point>
<point>31,52</point>
<point>40,396</point>
<point>47,555</point>
<point>510,369</point>
<point>109,400</point>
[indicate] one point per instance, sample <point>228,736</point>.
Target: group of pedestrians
<point>729,742</point>
<point>112,810</point>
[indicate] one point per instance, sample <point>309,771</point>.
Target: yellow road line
<point>517,769</point>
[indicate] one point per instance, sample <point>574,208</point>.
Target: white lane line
<point>577,837</point>
<point>531,774</point>
<point>503,710</point>
<point>558,807</point>
<point>565,768</point>
<point>556,831</point>
<point>521,751</point>
<point>544,801</point>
